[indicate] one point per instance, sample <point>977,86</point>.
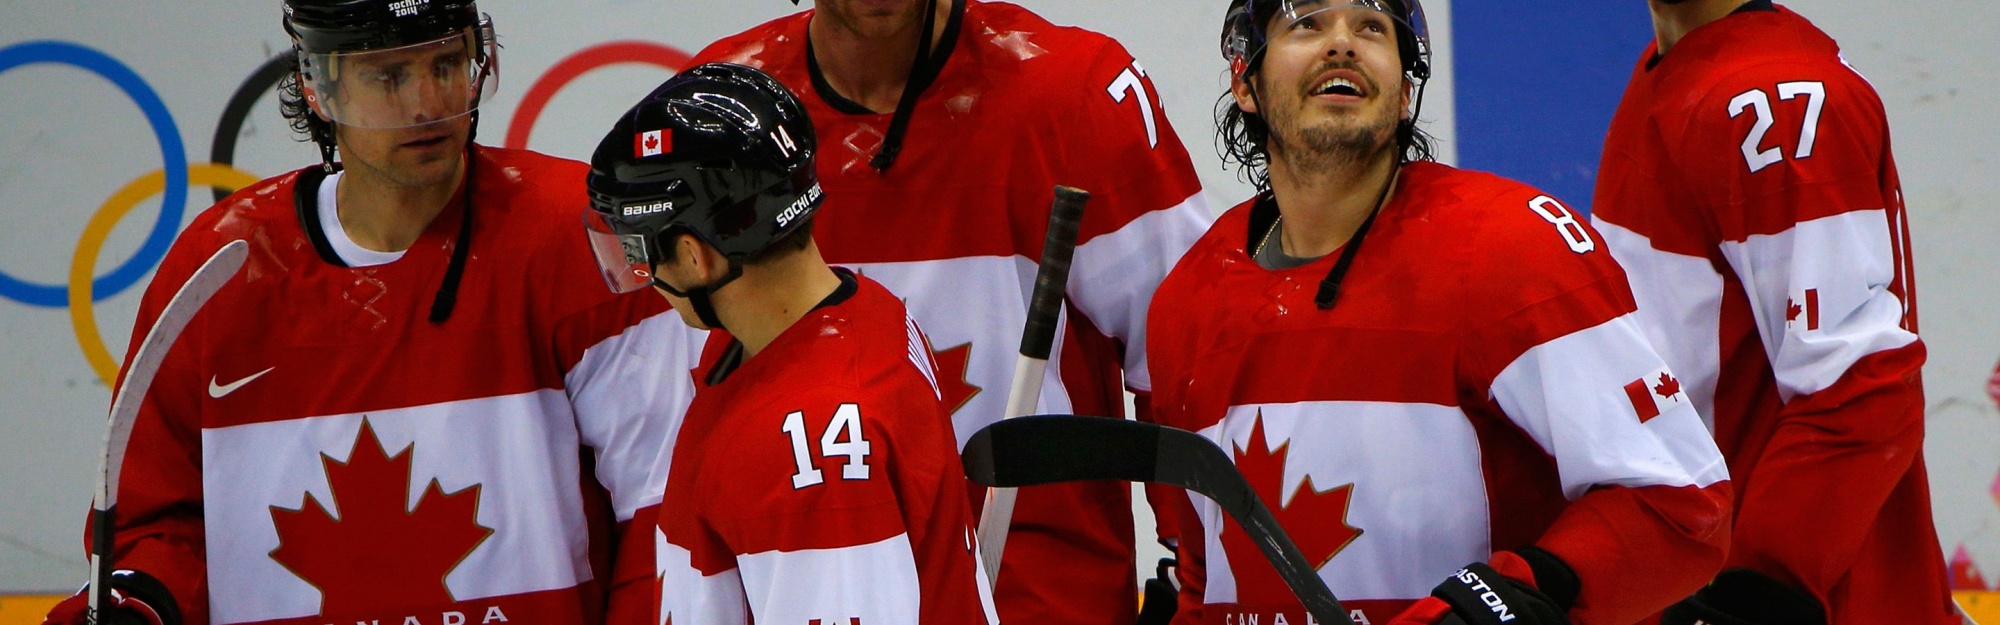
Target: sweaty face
<point>874,18</point>
<point>1330,85</point>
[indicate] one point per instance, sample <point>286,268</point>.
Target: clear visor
<point>621,258</point>
<point>1311,18</point>
<point>408,86</point>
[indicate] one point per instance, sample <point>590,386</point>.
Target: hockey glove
<point>136,599</point>
<point>1746,597</point>
<point>1162,598</point>
<point>1529,587</point>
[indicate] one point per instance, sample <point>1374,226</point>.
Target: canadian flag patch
<point>650,143</point>
<point>1802,311</point>
<point>1655,393</point>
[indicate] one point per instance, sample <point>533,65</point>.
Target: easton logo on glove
<point>1492,599</point>
<point>1479,595</point>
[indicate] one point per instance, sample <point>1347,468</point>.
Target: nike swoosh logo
<point>218,390</point>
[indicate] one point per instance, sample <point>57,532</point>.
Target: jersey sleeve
<point>1563,358</point>
<point>625,360</point>
<point>1804,196</point>
<point>1146,206</point>
<point>159,527</point>
<point>811,502</point>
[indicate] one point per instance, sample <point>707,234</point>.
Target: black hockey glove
<point>1528,587</point>
<point>1162,598</point>
<point>136,599</point>
<point>1746,597</point>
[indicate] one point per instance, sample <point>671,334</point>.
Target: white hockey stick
<point>206,280</point>
<point>1037,338</point>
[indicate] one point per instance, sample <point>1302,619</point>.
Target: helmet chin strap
<point>699,297</point>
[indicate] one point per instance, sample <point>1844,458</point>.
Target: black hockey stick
<point>1037,340</point>
<point>139,374</point>
<point>1031,451</point>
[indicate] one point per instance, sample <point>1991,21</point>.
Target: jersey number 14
<point>846,424</point>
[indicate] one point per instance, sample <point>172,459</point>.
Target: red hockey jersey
<point>956,227</point>
<point>1480,385</point>
<point>819,482</point>
<point>1749,188</point>
<point>315,450</point>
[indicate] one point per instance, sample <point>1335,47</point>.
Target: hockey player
<point>1417,367</point>
<point>947,124</point>
<point>394,411</point>
<point>815,477</point>
<point>1749,189</point>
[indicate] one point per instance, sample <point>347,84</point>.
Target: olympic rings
<point>576,65</point>
<point>82,312</point>
<point>174,155</point>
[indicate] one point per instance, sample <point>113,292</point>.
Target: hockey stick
<point>1031,451</point>
<point>1037,339</point>
<point>206,280</point>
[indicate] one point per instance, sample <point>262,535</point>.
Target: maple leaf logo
<point>380,553</point>
<point>1668,386</point>
<point>1316,519</point>
<point>952,383</point>
<point>1792,310</point>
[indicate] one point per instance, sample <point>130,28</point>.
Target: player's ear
<point>1241,88</point>
<point>702,260</point>
<point>1409,91</point>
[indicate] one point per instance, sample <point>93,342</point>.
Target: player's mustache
<point>1306,85</point>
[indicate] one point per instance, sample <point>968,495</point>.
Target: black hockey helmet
<point>362,62</point>
<point>322,26</point>
<point>1246,29</point>
<point>720,151</point>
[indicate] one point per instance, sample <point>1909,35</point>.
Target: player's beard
<point>1342,142</point>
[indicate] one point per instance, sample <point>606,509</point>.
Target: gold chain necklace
<point>1259,252</point>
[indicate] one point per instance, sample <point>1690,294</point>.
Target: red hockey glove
<point>1503,592</point>
<point>127,605</point>
<point>1746,597</point>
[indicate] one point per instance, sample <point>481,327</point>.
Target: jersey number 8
<point>847,421</point>
<point>1566,225</point>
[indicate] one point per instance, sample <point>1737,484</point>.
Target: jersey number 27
<point>846,424</point>
<point>1756,100</point>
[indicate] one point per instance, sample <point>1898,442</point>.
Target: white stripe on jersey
<point>630,392</point>
<point>1846,260</point>
<point>1569,395</point>
<point>1405,461</point>
<point>453,444</point>
<point>1113,276</point>
<point>1680,306</point>
<point>690,597</point>
<point>873,584</point>
<point>935,292</point>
